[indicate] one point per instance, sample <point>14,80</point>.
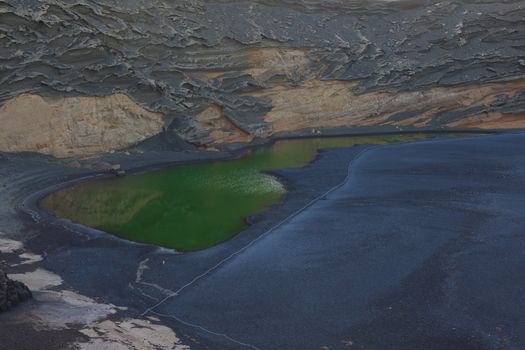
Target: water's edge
<point>32,203</point>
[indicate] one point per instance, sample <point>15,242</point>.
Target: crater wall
<point>220,72</point>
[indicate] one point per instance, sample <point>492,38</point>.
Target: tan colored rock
<point>321,103</point>
<point>85,126</point>
<point>492,120</point>
<point>220,128</point>
<point>74,126</point>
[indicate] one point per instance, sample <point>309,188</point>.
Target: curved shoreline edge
<point>81,253</point>
<point>417,255</point>
<point>31,204</point>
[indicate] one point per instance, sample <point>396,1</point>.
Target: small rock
<point>120,173</point>
<point>74,164</point>
<point>11,292</point>
<point>104,166</point>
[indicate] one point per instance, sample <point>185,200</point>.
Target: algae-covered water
<point>196,206</point>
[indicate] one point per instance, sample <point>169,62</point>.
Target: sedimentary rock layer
<point>322,104</point>
<point>74,126</point>
<point>229,71</point>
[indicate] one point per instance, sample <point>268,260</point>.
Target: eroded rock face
<point>228,71</point>
<point>74,126</point>
<point>322,104</point>
<point>11,292</point>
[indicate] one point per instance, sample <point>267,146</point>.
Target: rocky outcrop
<point>74,126</point>
<point>11,292</point>
<point>220,71</point>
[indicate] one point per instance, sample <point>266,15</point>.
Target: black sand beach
<point>420,247</point>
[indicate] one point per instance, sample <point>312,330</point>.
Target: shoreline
<point>119,272</point>
<point>240,152</point>
<point>48,239</point>
<point>412,236</point>
<point>31,205</point>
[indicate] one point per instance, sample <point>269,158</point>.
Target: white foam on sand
<point>60,310</point>
<point>29,258</point>
<point>57,309</point>
<point>37,280</point>
<point>8,246</point>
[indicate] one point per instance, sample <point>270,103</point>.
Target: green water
<point>193,207</point>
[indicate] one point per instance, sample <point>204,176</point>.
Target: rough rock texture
<point>74,126</point>
<point>335,105</point>
<point>229,71</point>
<point>11,292</point>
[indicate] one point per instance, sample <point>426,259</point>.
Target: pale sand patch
<point>37,280</point>
<point>130,334</point>
<point>59,309</point>
<point>29,258</point>
<point>8,245</point>
<point>63,309</point>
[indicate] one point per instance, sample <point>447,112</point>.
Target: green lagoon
<point>193,207</point>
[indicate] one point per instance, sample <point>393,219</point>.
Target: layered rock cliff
<point>74,125</point>
<point>215,72</point>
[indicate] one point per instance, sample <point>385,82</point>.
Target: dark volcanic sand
<point>421,248</point>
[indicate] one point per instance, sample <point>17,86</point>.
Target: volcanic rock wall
<point>214,72</point>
